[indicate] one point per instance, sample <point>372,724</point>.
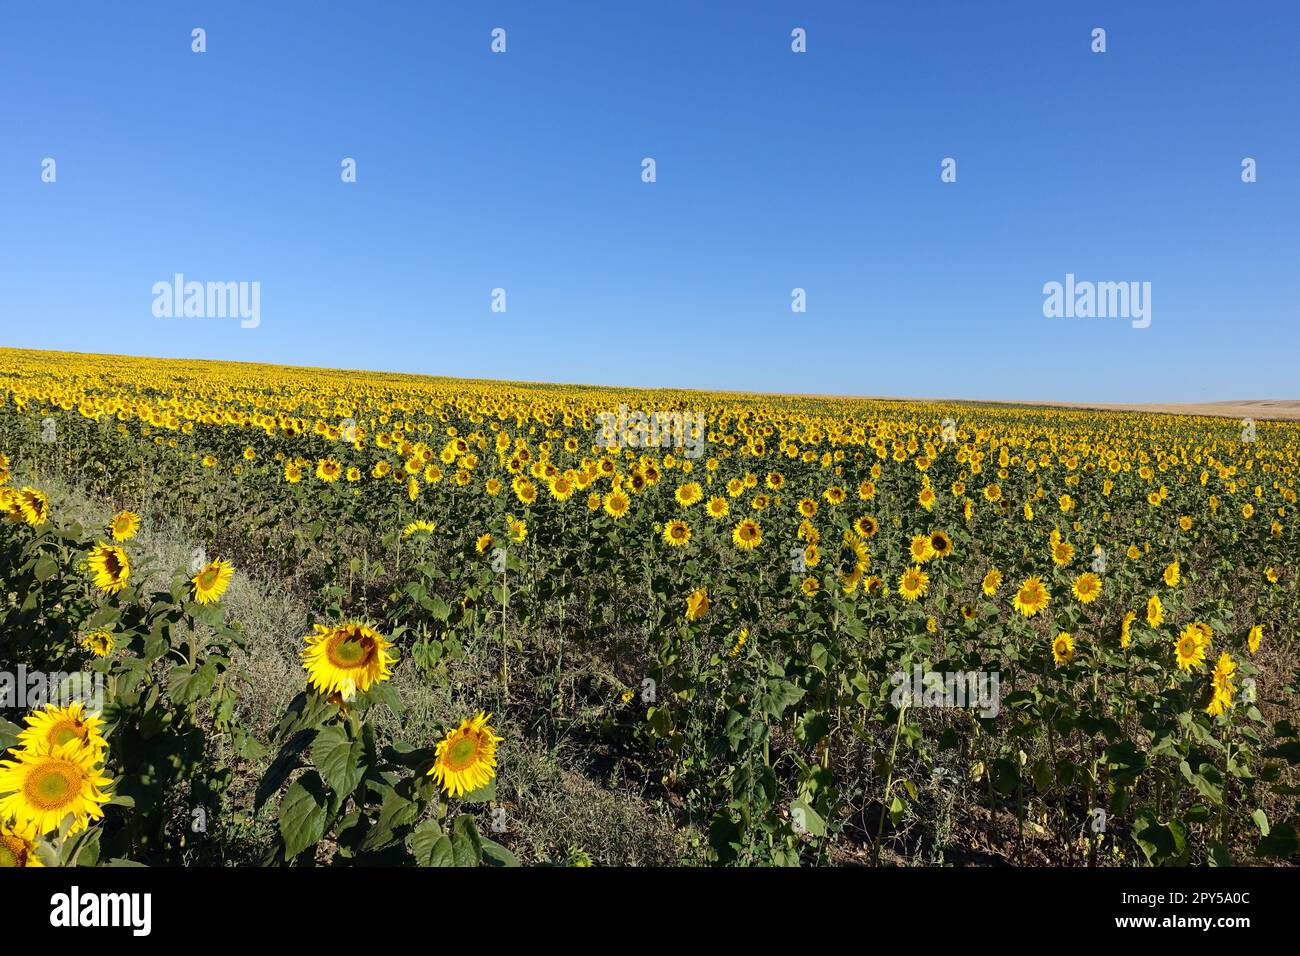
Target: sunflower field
<point>754,620</point>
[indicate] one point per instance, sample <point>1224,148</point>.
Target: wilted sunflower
<point>53,726</point>
<point>467,757</point>
<point>18,847</point>
<point>124,525</point>
<point>111,567</point>
<point>45,787</point>
<point>346,659</point>
<point>212,580</point>
<point>1031,597</point>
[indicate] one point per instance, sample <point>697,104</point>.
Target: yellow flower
<point>1031,597</point>
<point>111,567</point>
<point>346,659</point>
<point>124,525</point>
<point>1087,587</point>
<point>992,582</point>
<point>1063,649</point>
<point>1155,611</point>
<point>697,604</point>
<point>18,846</point>
<point>913,583</point>
<point>211,582</point>
<point>419,527</point>
<point>99,643</point>
<point>676,533</point>
<point>1254,637</point>
<point>1126,629</point>
<point>747,535</point>
<point>1189,648</point>
<point>46,785</point>
<point>1173,574</point>
<point>466,758</point>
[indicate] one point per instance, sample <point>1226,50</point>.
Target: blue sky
<point>775,170</point>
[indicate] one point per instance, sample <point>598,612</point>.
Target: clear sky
<point>775,170</point>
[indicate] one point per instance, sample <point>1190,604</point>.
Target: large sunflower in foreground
<point>43,788</point>
<point>110,566</point>
<point>467,756</point>
<point>346,659</point>
<point>50,728</point>
<point>212,580</point>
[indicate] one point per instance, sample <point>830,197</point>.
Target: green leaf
<point>185,686</point>
<point>494,854</point>
<point>806,819</point>
<point>466,845</point>
<point>484,794</point>
<point>302,815</point>
<point>1281,842</point>
<point>339,759</point>
<point>430,845</point>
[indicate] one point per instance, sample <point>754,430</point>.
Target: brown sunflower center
<point>13,852</point>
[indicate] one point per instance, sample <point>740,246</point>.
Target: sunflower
<point>810,586</point>
<point>992,582</point>
<point>99,643</point>
<point>747,535</point>
<point>676,533</point>
<point>1062,553</point>
<point>717,507</point>
<point>17,847</point>
<point>1189,648</point>
<point>1063,649</point>
<point>124,525</point>
<point>689,493</point>
<point>807,507</point>
<point>467,757</point>
<point>913,583</point>
<point>419,527</point>
<point>516,529</point>
<point>1086,588</point>
<point>941,544</point>
<point>1224,688</point>
<point>1254,637</point>
<point>53,726</point>
<point>697,604</point>
<point>1126,629</point>
<point>921,549</point>
<point>111,567</point>
<point>45,787</point>
<point>211,582</point>
<point>1155,611</point>
<point>616,504</point>
<point>346,659</point>
<point>484,543</point>
<point>1031,597</point>
<point>866,527</point>
<point>328,470</point>
<point>1173,574</point>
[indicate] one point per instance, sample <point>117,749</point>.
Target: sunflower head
<point>52,727</point>
<point>212,580</point>
<point>467,757</point>
<point>17,847</point>
<point>346,659</point>
<point>44,788</point>
<point>110,566</point>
